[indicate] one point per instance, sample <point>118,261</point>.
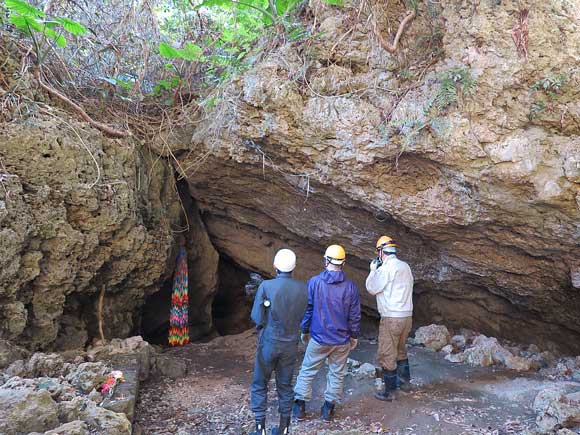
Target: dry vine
<point>520,33</point>
<point>391,48</point>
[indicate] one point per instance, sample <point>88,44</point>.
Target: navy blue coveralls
<point>279,326</point>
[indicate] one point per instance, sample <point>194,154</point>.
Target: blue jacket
<point>333,313</point>
<point>287,297</point>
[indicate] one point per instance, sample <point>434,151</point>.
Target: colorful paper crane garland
<point>178,324</point>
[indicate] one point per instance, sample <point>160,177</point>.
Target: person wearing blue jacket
<point>278,308</point>
<point>330,329</point>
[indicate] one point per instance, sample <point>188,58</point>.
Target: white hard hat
<point>285,260</point>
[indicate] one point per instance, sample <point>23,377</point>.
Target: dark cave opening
<point>230,306</point>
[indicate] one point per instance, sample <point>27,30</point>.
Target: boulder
<point>10,353</point>
<point>23,410</point>
<point>170,366</point>
<point>76,427</point>
<point>41,364</point>
<point>519,363</point>
<point>433,336</point>
<point>557,409</point>
<point>57,388</point>
<point>86,376</point>
<point>486,351</point>
<point>97,418</point>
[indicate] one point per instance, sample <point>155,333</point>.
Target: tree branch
<point>392,48</point>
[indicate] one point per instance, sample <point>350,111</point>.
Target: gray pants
<point>314,358</point>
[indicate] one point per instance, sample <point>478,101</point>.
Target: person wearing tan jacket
<point>391,281</point>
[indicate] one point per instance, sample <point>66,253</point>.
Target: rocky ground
<point>465,383</point>
<point>207,391</point>
<point>62,393</point>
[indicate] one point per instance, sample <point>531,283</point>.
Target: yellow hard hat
<point>335,254</point>
<point>386,243</point>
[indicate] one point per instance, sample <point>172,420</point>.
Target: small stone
<point>455,357</point>
<point>447,349</point>
<point>459,342</point>
<point>533,348</point>
<point>353,363</point>
<point>366,370</point>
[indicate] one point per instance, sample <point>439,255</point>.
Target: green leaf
<point>283,7</point>
<point>23,8</point>
<point>72,26</point>
<point>167,51</point>
<point>190,52</point>
<point>334,2</point>
<point>26,23</point>
<point>225,4</point>
<point>125,84</point>
<point>59,39</point>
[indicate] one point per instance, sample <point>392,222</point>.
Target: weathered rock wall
<point>67,229</point>
<point>337,141</point>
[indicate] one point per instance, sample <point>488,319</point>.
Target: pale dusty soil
<point>449,399</point>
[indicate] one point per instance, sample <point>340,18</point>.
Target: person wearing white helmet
<point>278,308</point>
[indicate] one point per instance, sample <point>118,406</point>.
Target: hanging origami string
<point>178,324</point>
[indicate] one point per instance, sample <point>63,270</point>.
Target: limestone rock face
<point>68,228</point>
<point>482,194</point>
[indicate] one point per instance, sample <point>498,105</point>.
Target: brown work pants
<point>393,334</point>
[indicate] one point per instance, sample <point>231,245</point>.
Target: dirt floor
<point>449,399</point>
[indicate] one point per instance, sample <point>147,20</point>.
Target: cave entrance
<point>232,303</point>
<point>228,307</point>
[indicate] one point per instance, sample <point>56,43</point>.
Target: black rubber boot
<point>284,427</point>
<point>404,375</point>
<point>327,411</point>
<point>299,410</point>
<point>260,427</point>
<point>390,379</point>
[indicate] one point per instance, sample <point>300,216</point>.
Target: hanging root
<point>100,314</point>
<point>391,48</point>
<point>110,131</point>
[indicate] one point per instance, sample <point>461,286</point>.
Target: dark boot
<point>284,427</point>
<point>299,410</point>
<point>260,427</point>
<point>327,411</point>
<point>404,375</point>
<point>390,379</point>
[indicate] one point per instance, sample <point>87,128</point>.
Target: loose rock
<point>433,336</point>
